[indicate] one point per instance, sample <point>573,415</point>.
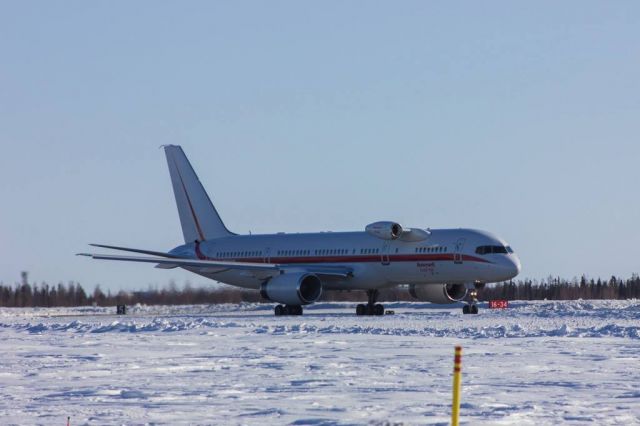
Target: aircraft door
<point>267,255</point>
<point>457,255</point>
<point>384,253</point>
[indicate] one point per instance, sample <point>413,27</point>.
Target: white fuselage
<point>449,256</point>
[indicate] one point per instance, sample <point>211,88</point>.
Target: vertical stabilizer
<point>199,218</point>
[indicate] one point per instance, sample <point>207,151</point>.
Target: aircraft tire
<point>378,309</point>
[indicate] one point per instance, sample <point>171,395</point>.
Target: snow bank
<point>531,320</point>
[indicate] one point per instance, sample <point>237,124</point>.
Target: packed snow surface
<point>535,363</point>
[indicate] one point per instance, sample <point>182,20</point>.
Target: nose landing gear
<point>472,306</point>
<point>371,308</point>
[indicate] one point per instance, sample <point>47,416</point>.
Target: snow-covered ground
<point>534,363</point>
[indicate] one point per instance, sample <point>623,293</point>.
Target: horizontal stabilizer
<point>134,250</point>
<point>186,262</point>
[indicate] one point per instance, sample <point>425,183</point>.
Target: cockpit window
<point>493,250</point>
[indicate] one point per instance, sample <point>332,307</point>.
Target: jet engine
<point>292,288</point>
<point>385,230</point>
<point>438,293</point>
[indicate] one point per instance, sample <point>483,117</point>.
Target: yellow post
<point>455,406</point>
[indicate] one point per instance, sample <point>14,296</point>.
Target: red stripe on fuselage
<point>353,258</point>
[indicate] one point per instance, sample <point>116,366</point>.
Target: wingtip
<point>84,254</point>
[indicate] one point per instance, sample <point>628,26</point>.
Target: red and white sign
<point>498,304</point>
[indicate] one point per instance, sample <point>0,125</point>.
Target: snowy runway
<point>535,363</point>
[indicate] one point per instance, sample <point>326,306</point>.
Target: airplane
<point>440,266</point>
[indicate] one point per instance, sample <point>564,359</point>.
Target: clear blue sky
<point>521,119</point>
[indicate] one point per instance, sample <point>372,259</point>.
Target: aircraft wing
<point>212,266</point>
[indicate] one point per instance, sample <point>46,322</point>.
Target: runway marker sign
<point>498,304</point>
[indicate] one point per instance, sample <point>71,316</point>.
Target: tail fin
<point>200,220</point>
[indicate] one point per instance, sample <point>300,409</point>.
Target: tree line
<point>26,294</point>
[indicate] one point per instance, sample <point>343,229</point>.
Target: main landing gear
<point>288,310</point>
<point>371,308</point>
<point>472,306</point>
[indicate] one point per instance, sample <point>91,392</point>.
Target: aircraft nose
<point>513,266</point>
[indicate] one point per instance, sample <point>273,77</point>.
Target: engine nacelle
<point>297,288</point>
<point>385,230</point>
<point>438,293</point>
